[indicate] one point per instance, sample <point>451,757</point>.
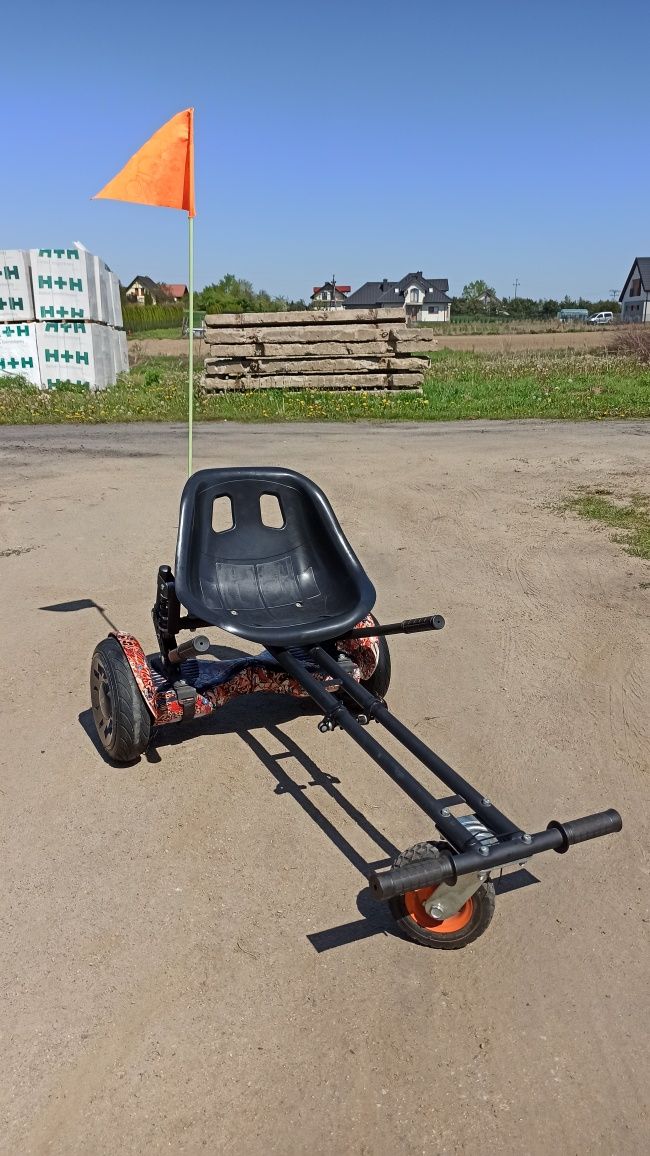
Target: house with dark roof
<point>423,298</point>
<point>331,295</point>
<point>635,298</point>
<point>142,289</point>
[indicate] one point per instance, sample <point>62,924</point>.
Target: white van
<point>604,318</point>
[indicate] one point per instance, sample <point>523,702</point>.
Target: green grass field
<point>559,384</point>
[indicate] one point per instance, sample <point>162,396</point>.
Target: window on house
<point>414,296</point>
<point>433,309</point>
<point>635,288</point>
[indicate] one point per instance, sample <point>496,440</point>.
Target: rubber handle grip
<point>589,827</point>
<point>190,648</point>
<point>412,876</point>
<point>431,622</point>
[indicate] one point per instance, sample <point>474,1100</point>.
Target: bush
<point>152,376</point>
<point>632,341</point>
<point>14,382</point>
<point>141,318</point>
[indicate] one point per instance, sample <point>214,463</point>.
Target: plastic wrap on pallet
<point>123,351</point>
<point>103,292</point>
<point>114,283</point>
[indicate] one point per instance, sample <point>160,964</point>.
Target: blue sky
<point>363,138</point>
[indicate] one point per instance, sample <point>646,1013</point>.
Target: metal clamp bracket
<point>186,696</point>
<point>330,720</point>
<point>447,899</point>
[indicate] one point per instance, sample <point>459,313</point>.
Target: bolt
<point>486,802</point>
<point>482,876</point>
<point>525,838</point>
<point>445,812</point>
<point>483,850</point>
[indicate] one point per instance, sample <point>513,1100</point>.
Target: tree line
<point>479,299</point>
<point>235,295</point>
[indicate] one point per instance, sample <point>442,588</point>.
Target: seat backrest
<point>234,560</point>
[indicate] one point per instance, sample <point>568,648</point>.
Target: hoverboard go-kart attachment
<point>261,556</point>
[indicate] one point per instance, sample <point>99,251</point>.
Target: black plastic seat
<point>292,583</point>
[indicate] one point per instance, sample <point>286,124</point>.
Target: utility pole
<point>516,284</point>
<point>613,294</point>
<point>333,291</point>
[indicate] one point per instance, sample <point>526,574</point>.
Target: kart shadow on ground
<point>251,718</point>
<point>376,919</point>
<point>267,714</point>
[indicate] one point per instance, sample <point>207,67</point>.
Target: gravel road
<point>190,960</point>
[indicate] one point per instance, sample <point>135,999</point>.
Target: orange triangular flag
<point>162,171</point>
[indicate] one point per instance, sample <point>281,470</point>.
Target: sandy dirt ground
<point>481,342</point>
<point>190,960</point>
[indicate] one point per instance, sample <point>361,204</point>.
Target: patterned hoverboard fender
<point>251,678</point>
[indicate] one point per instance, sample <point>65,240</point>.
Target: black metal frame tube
<point>333,708</point>
<point>490,815</point>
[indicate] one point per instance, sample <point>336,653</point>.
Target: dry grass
<point>505,326</point>
<point>632,341</point>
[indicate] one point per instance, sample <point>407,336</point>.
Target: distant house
<point>329,296</point>
<point>489,301</point>
<point>423,298</point>
<point>143,288</point>
<point>176,292</point>
<point>635,298</point>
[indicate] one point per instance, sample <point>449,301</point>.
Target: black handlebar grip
<point>190,648</point>
<point>590,827</point>
<point>431,622</point>
<point>412,876</point>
